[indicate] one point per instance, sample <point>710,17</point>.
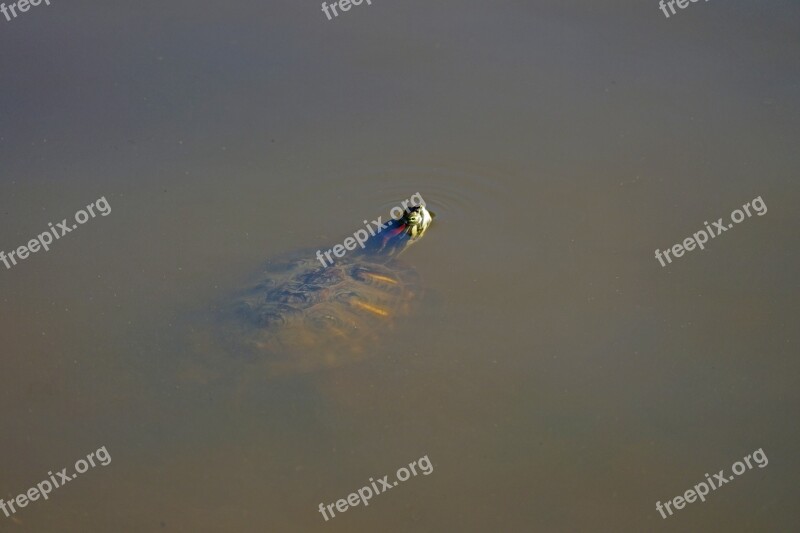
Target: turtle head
<point>416,220</point>
<point>399,233</point>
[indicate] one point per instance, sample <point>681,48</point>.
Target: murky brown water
<point>558,378</point>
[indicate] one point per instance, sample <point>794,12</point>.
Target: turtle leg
<point>374,309</point>
<point>379,278</point>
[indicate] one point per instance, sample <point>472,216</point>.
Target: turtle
<point>304,315</point>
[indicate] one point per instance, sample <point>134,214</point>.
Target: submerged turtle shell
<point>302,316</point>
<point>305,317</point>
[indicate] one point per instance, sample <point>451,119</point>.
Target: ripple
<point>454,194</point>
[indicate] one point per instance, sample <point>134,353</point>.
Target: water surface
<point>558,378</point>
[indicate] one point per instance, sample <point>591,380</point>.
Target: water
<point>558,378</point>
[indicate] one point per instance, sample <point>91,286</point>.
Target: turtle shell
<point>302,316</point>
